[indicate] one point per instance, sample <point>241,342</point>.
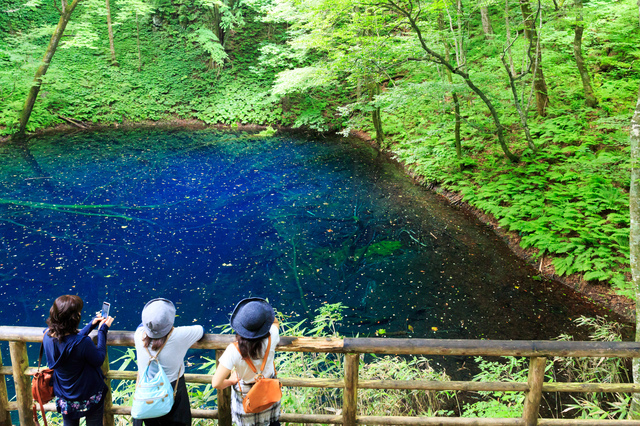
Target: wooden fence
<point>538,352</point>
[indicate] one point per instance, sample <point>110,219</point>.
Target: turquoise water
<point>206,218</point>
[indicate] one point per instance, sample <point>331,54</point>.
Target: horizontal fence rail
<point>538,352</point>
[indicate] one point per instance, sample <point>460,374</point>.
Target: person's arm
<point>89,327</point>
<point>95,355</point>
<point>221,379</point>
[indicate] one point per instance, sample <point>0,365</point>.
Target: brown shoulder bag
<point>41,388</point>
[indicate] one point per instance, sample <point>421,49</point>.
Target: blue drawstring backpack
<point>154,395</point>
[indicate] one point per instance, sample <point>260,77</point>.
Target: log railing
<point>538,352</point>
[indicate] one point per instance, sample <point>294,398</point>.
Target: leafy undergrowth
<point>568,200</point>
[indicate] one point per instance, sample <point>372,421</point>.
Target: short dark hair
<point>250,348</point>
<point>64,316</point>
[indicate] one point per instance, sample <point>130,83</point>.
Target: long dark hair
<point>64,316</point>
<point>250,348</point>
<point>155,343</point>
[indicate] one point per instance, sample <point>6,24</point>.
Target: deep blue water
<point>206,218</point>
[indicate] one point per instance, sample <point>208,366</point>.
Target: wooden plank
<point>526,348</point>
<point>412,384</point>
<point>22,383</point>
<point>107,417</point>
<point>534,396</point>
<point>432,421</point>
<point>21,334</point>
<point>444,385</point>
<point>298,382</point>
<point>591,387</point>
<point>387,346</point>
<point>311,344</point>
<point>587,422</point>
<point>310,418</point>
<point>350,394</point>
<point>5,414</point>
<point>224,399</point>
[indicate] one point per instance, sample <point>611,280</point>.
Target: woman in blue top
<point>78,381</point>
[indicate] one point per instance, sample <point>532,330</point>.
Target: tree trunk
<point>634,240</point>
<point>438,58</point>
<point>114,62</point>
<point>507,27</point>
<point>486,23</point>
<point>522,113</point>
<point>375,116</point>
<point>67,10</point>
<point>590,97</point>
<point>216,24</point>
<point>539,83</point>
<point>456,101</point>
<point>138,41</point>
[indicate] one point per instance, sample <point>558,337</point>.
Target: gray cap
<point>158,317</point>
<point>252,318</point>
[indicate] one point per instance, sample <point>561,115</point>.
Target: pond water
<point>206,218</point>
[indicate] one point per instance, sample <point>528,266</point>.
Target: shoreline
<point>600,294</point>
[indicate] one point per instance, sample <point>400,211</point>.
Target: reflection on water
<point>206,218</point>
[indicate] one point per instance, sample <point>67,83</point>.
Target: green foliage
<point>210,43</point>
<point>371,401</point>
<point>596,370</point>
<point>499,404</point>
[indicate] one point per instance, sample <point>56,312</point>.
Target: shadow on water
<point>206,218</point>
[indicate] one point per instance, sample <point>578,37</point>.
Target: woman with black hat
<point>158,337</point>
<point>256,329</point>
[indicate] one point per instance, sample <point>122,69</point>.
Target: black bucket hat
<point>252,318</point>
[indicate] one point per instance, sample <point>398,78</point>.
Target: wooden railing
<point>537,351</point>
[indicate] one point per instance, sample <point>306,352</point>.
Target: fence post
<point>19,363</point>
<point>5,414</point>
<point>350,397</point>
<point>224,399</point>
<point>534,396</point>
<point>108,418</point>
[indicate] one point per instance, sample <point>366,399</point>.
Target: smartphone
<point>105,309</point>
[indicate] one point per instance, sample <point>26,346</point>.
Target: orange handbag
<point>265,392</point>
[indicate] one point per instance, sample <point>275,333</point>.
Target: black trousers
<point>180,413</point>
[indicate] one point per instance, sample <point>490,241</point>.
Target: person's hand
<point>96,320</point>
<point>234,377</point>
<point>108,321</point>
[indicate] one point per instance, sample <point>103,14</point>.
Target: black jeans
<point>94,418</point>
<point>180,414</point>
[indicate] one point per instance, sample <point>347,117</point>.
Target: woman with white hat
<point>157,333</point>
<point>254,322</point>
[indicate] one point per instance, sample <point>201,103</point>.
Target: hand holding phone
<point>106,306</point>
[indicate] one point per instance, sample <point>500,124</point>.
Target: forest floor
<point>602,295</point>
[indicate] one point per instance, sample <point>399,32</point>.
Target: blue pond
<point>205,218</point>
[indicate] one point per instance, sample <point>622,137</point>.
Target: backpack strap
<point>250,363</point>
<point>155,358</point>
<point>264,361</point>
<point>38,396</point>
